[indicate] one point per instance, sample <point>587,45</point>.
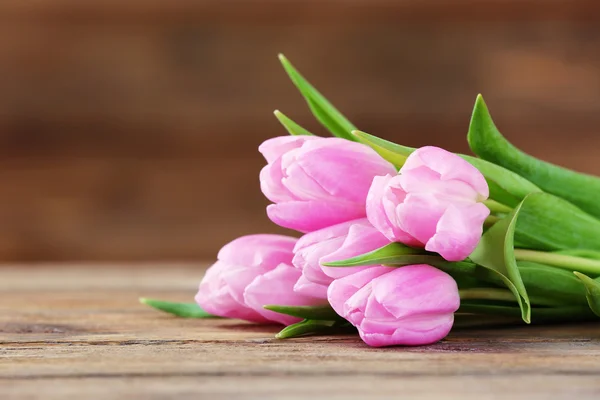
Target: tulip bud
<point>251,272</point>
<point>412,305</point>
<point>318,182</point>
<point>336,242</point>
<point>434,202</point>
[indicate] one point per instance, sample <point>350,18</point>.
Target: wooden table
<point>79,332</point>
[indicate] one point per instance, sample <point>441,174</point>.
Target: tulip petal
<point>215,297</point>
<point>298,182</point>
<point>424,180</point>
<point>362,238</point>
<point>277,287</point>
<point>309,288</point>
<point>331,163</point>
<point>258,250</point>
<point>325,234</point>
<point>449,166</point>
<point>307,260</point>
<point>416,331</point>
<point>407,291</point>
<point>381,203</point>
<point>274,148</point>
<point>341,290</point>
<point>458,231</point>
<point>419,215</point>
<point>411,305</point>
<point>271,183</point>
<point>308,216</point>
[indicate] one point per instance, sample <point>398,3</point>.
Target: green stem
<point>502,295</point>
<point>539,315</point>
<point>496,207</point>
<point>487,294</point>
<point>490,220</point>
<point>571,263</point>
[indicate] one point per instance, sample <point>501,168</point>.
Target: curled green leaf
<point>184,310</point>
<point>592,287</point>
<point>488,143</point>
<point>495,252</point>
<point>322,109</point>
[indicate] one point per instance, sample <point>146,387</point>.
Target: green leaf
<point>466,273</point>
<point>506,187</point>
<point>321,108</point>
<point>392,152</point>
<point>310,327</point>
<point>496,252</point>
<point>488,143</point>
<point>547,222</point>
<point>324,312</point>
<point>393,253</point>
<point>185,310</point>
<point>550,282</point>
<point>293,128</point>
<point>592,288</point>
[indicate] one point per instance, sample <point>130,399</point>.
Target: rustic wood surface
<point>78,332</point>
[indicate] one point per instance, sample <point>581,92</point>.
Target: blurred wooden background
<point>128,129</point>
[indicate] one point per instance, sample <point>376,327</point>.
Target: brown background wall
<point>128,129</point>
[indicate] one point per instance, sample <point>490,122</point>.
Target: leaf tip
<point>282,58</point>
<point>586,280</point>
<point>330,264</point>
<point>480,104</point>
<point>144,300</point>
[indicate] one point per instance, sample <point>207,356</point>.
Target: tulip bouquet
<point>401,244</point>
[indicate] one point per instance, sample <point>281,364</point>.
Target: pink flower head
<point>334,243</point>
<point>412,305</point>
<point>318,182</point>
<point>433,202</point>
<point>251,272</point>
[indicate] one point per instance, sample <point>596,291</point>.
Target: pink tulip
<point>318,182</point>
<point>412,305</point>
<point>251,272</point>
<point>333,243</point>
<point>434,202</point>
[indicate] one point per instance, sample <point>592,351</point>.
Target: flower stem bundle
<point>400,244</point>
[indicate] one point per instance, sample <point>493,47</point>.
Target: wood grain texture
<point>129,129</point>
<point>72,332</point>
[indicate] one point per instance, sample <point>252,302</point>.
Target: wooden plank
<point>78,329</point>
